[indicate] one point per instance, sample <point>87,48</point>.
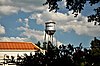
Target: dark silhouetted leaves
<point>76,6</point>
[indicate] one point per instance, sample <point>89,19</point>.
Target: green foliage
<point>95,51</point>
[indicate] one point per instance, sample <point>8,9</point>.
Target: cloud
<point>38,35</point>
<point>13,6</point>
<point>6,2</point>
<point>14,39</point>
<point>68,22</point>
<point>6,10</point>
<point>83,28</point>
<point>2,29</point>
<point>30,33</point>
<point>20,20</point>
<point>57,17</point>
<point>24,21</point>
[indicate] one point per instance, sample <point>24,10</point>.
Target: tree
<point>95,51</point>
<point>76,6</point>
<point>38,44</point>
<point>44,45</point>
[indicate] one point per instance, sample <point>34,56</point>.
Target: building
<point>17,48</point>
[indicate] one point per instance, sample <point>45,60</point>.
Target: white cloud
<point>20,20</point>
<point>57,17</point>
<point>68,22</point>
<point>83,28</point>
<point>2,29</point>
<point>38,35</point>
<point>6,10</point>
<point>13,6</point>
<point>29,33</point>
<point>14,39</point>
<point>24,21</point>
<point>2,2</point>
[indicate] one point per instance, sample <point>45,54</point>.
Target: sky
<point>23,21</point>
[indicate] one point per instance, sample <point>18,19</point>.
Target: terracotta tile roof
<point>18,46</point>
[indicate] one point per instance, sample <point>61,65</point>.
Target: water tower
<point>49,31</point>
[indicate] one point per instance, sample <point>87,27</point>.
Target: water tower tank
<point>50,28</point>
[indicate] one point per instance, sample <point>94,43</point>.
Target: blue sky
<point>23,20</point>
